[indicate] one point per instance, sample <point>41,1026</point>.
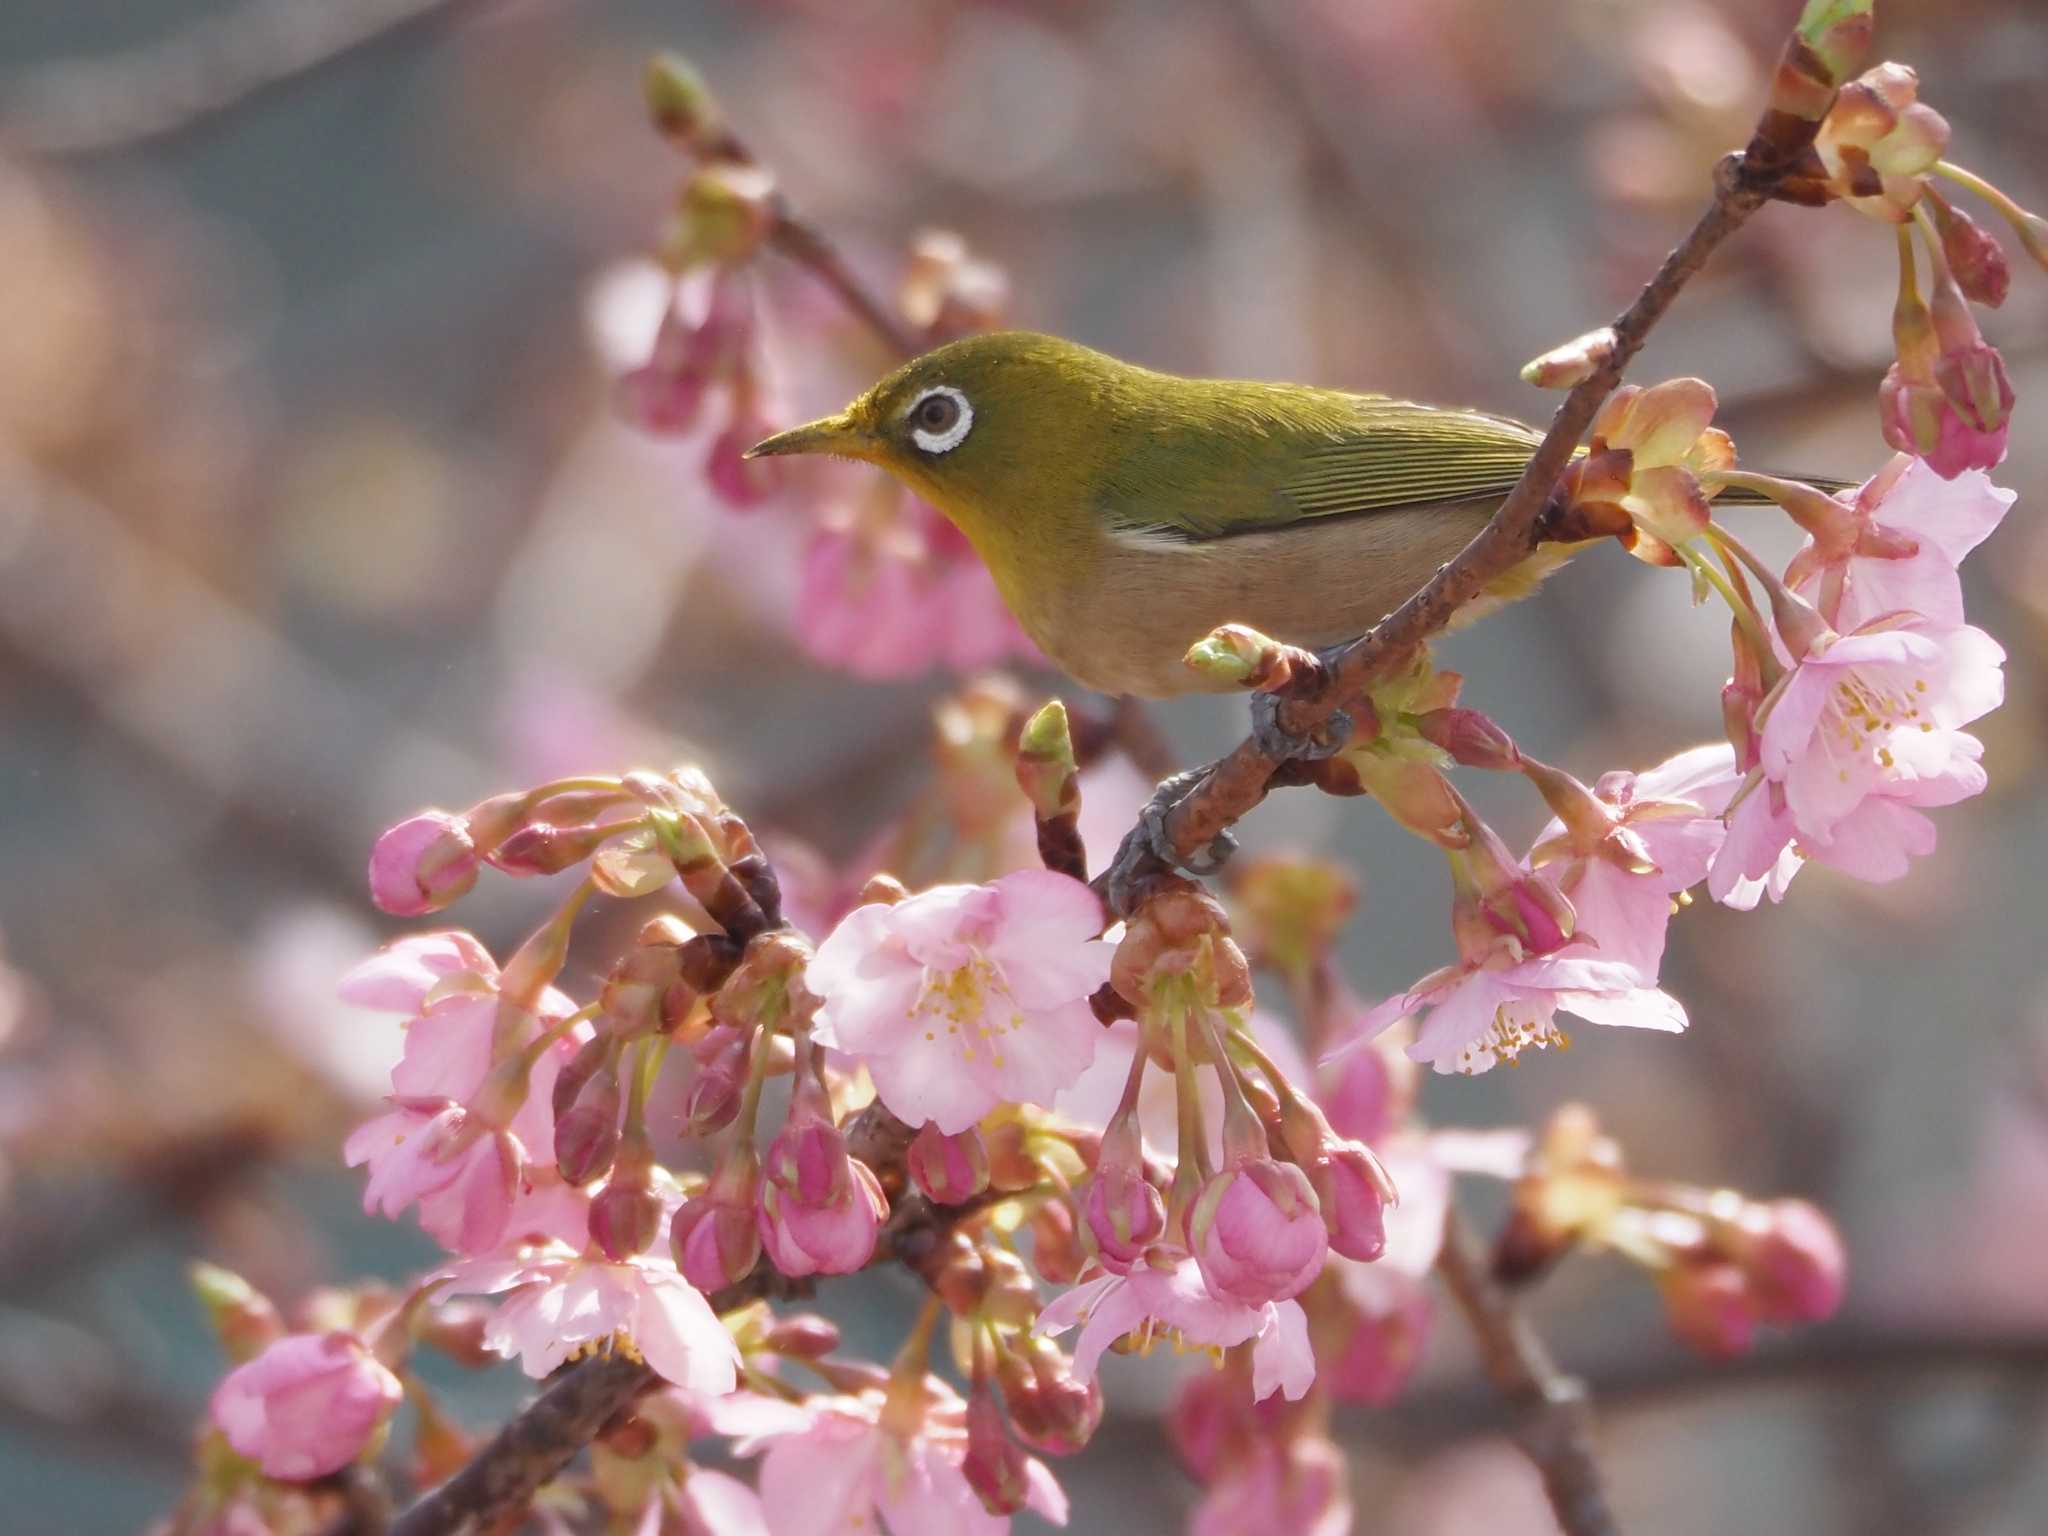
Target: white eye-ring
<point>940,419</point>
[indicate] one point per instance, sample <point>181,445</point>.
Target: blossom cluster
<point>1082,1129</point>
<point>887,587</point>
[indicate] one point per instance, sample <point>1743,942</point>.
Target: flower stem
<point>1555,1432</point>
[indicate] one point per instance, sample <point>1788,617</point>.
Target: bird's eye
<point>939,419</point>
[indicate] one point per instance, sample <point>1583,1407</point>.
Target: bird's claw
<point>1280,744</point>
<point>1151,843</point>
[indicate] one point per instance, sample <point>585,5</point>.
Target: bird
<point>1126,513</point>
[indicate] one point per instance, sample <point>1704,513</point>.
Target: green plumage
<point>1124,513</point>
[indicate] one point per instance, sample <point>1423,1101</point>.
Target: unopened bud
<point>1838,32</point>
<point>243,1318</point>
<point>882,890</point>
<point>587,1137</point>
<point>1794,1262</point>
<point>1046,770</point>
<point>956,1273</point>
<point>949,1169</point>
<point>1974,256</point>
<point>767,983</point>
<point>625,1220</point>
<point>1236,655</point>
<point>1470,737</point>
<point>714,1097</point>
<point>716,1241</point>
<point>1051,1410</point>
<point>1056,1243</point>
<point>995,1466</point>
<point>679,103</point>
<point>1354,1190</point>
<point>1708,1305</point>
<point>1181,929</point>
<point>727,210</point>
<point>802,1336</point>
<point>1573,363</point>
<point>540,848</point>
<point>1011,1299</point>
<point>423,864</point>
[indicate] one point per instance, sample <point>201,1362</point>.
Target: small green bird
<point>1126,513</point>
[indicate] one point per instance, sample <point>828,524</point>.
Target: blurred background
<point>315,508</point>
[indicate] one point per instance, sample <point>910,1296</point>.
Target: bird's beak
<point>829,434</point>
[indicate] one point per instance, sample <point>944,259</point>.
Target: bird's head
<point>983,427</point>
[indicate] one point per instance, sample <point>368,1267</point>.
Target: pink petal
<point>1638,1008</point>
<point>397,978</point>
<point>682,1337</point>
<point>820,1483</point>
<point>1282,1359</point>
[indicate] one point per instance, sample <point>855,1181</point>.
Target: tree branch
<point>219,63</point>
<point>535,1445</point>
<point>1555,1412</point>
<point>1230,787</point>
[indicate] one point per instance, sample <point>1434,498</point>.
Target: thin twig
<point>219,63</point>
<point>1556,1416</point>
<point>802,242</point>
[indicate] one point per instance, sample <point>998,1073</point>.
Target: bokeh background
<point>314,508</point>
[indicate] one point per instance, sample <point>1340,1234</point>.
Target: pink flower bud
<point>1206,1421</point>
<point>1794,1263</point>
<point>540,848</point>
<point>1973,254</point>
<point>423,864</point>
<point>1470,737</point>
<point>1126,1215</point>
<point>1293,1485</point>
<point>587,1137</point>
<point>1368,1092</point>
<point>735,479</point>
<point>949,1169</point>
<point>1354,1192</point>
<point>625,1220</point>
<point>1381,1350</point>
<point>308,1405</point>
<point>1056,1249</point>
<point>715,1092</point>
<point>1052,1410</point>
<point>1709,1306</point>
<point>1258,1232</point>
<point>715,1240</point>
<point>804,1336</point>
<point>995,1466</point>
<point>820,1210</point>
<point>244,1319</point>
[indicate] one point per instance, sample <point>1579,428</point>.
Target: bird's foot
<point>1150,845</point>
<point>1280,744</point>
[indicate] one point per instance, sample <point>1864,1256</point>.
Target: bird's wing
<point>1265,464</point>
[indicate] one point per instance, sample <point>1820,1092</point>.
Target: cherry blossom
<point>1167,1296</point>
<point>308,1405</point>
<point>1496,1003</point>
<point>1634,843</point>
<point>1863,736</point>
<point>830,1466</point>
<point>1895,544</point>
<point>964,997</point>
<point>562,1303</point>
